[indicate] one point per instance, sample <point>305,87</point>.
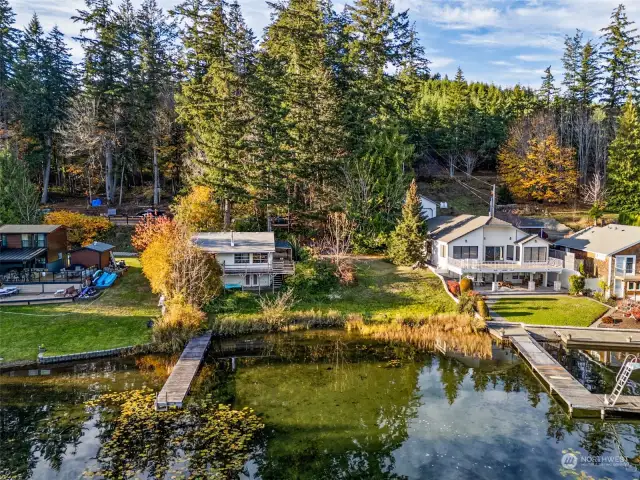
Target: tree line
<point>326,111</point>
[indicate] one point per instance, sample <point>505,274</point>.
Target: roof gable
<point>447,229</point>
<point>606,240</point>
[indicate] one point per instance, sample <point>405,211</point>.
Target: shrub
<point>629,219</point>
<point>466,303</point>
<point>482,308</point>
<point>313,276</point>
<point>179,324</point>
<point>576,284</point>
<point>346,273</point>
<point>81,229</point>
<point>275,307</point>
<point>454,287</point>
<point>466,285</point>
<point>607,320</point>
<point>150,227</point>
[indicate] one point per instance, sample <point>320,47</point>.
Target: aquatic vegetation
<point>461,333</point>
<point>292,321</point>
<point>214,441</point>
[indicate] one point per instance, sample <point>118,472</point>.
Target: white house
<point>249,260</point>
<point>429,208</point>
<point>489,250</point>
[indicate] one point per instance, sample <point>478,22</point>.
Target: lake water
<point>334,406</point>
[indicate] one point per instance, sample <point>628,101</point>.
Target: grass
<point>384,292</point>
<point>117,319</point>
<point>553,310</point>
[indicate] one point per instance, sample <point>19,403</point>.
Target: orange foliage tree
<point>533,164</point>
<point>150,227</point>
<point>81,229</point>
<point>198,210</point>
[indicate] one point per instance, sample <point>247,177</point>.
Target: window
<point>518,254</point>
<point>492,254</point>
<point>535,254</point>
<point>240,258</point>
<point>39,240</point>
<point>633,286</point>
<point>260,258</point>
<point>442,251</point>
<point>26,240</point>
<point>629,265</point>
<point>465,252</point>
<point>4,241</point>
<point>509,252</point>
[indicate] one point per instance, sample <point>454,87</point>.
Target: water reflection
<point>334,406</point>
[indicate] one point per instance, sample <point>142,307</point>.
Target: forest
<point>325,111</point>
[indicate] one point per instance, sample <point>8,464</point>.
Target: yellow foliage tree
<point>81,229</point>
<point>198,210</point>
<point>545,171</point>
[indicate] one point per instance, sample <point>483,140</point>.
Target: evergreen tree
<point>548,91</point>
<point>407,242</point>
<point>8,42</point>
<point>296,44</point>
<point>624,162</point>
<point>588,75</point>
<point>213,77</point>
<point>571,61</point>
<point>620,56</point>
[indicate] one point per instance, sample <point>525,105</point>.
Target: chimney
<point>232,240</point>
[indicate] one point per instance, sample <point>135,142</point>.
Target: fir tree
<point>8,42</point>
<point>588,75</point>
<point>548,90</point>
<point>571,61</point>
<point>624,162</point>
<point>407,242</point>
<point>620,56</point>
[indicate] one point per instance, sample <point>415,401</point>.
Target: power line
<point>472,176</point>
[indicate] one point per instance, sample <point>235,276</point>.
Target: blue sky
<point>500,41</point>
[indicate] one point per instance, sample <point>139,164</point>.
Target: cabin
<point>96,254</point>
<point>33,247</point>
<point>490,251</point>
<point>249,260</point>
<point>610,253</point>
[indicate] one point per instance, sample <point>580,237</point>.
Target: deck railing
<point>504,265</point>
<point>285,267</point>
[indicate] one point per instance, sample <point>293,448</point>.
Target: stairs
<point>630,364</point>
<point>277,281</point>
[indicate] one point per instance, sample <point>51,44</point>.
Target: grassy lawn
<point>384,292</point>
<point>117,319</point>
<point>553,310</point>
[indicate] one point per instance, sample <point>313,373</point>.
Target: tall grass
<point>457,332</point>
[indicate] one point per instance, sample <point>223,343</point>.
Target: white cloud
<point>439,62</point>
<point>501,63</point>
<point>537,58</point>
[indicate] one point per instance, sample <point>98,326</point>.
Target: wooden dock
<point>558,380</point>
<point>179,382</point>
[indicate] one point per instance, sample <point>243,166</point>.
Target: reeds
<point>296,320</point>
<point>455,332</point>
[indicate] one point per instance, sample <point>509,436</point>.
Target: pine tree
<point>620,56</point>
<point>407,242</point>
<point>213,77</point>
<point>548,91</point>
<point>624,162</point>
<point>571,61</point>
<point>8,42</point>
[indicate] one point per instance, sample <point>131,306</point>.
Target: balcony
<point>469,265</point>
<point>278,267</point>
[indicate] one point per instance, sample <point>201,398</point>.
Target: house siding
<point>89,258</point>
<point>56,244</point>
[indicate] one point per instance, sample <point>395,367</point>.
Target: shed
<point>96,253</point>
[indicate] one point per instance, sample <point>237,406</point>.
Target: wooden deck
<point>179,382</point>
<point>559,381</point>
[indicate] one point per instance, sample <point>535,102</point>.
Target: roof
<point>28,228</point>
<point>447,229</point>
<point>283,244</point>
<point>428,199</point>
<point>12,255</point>
<point>235,242</point>
<point>530,237</point>
<point>606,240</point>
<point>98,247</point>
<point>528,222</point>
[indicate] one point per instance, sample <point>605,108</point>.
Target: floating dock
<point>179,382</point>
<point>558,380</point>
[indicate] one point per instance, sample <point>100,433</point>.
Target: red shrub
<point>607,320</point>
<point>148,228</point>
<point>454,287</point>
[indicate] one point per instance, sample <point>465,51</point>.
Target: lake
<point>334,405</point>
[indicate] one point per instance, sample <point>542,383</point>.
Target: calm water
<point>334,407</point>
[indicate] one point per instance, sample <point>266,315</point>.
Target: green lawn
<point>552,310</point>
<point>384,292</point>
<point>117,319</point>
